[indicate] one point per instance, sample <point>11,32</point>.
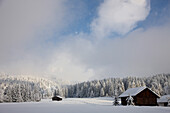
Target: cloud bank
<point>140,53</point>
<point>25,28</point>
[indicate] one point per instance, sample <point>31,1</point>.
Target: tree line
<point>115,86</point>
<point>26,88</point>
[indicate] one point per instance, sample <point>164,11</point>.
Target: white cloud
<point>65,66</point>
<point>21,19</point>
<point>24,23</point>
<point>24,28</point>
<point>141,53</point>
<point>119,16</point>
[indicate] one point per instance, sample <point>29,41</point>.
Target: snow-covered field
<point>78,105</point>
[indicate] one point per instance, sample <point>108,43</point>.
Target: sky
<point>81,40</point>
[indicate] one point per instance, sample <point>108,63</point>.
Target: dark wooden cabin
<point>56,98</point>
<point>142,96</point>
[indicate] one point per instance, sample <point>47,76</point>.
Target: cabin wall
<point>146,98</point>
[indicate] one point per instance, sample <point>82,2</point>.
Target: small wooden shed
<point>164,101</point>
<point>57,98</point>
<point>142,96</point>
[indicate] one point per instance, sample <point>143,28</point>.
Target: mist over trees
<point>27,88</point>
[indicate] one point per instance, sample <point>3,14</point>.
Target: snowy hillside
<point>27,88</point>
<point>77,105</point>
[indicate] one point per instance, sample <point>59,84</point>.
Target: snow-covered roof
<point>59,96</point>
<point>164,98</point>
<point>132,91</point>
<point>135,91</point>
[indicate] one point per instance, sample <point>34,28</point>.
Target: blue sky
<point>85,11</point>
<point>159,14</point>
<point>84,39</point>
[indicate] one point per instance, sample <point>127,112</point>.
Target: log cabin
<point>142,96</point>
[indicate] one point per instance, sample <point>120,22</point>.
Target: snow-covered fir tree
<point>1,95</point>
<point>18,96</point>
<point>115,101</point>
<point>91,94</point>
<point>37,95</point>
<point>8,94</point>
<point>129,100</point>
<point>101,92</point>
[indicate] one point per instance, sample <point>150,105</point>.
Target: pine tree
<point>115,101</point>
<point>37,95</point>
<point>77,90</point>
<point>8,96</point>
<point>14,93</point>
<point>111,90</point>
<point>143,84</point>
<point>133,85</point>
<point>66,92</point>
<point>18,95</point>
<point>130,100</point>
<point>32,96</point>
<point>1,95</point>
<point>102,92</point>
<point>55,93</point>
<point>91,94</point>
<point>129,85</point>
<point>121,89</point>
<point>167,88</point>
<point>138,83</point>
<point>160,89</point>
<point>28,93</point>
<point>97,89</point>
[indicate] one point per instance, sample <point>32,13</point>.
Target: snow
<point>132,91</point>
<point>59,96</point>
<point>164,98</point>
<point>77,105</point>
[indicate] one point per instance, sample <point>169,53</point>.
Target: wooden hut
<point>164,101</point>
<point>57,98</point>
<point>142,96</point>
